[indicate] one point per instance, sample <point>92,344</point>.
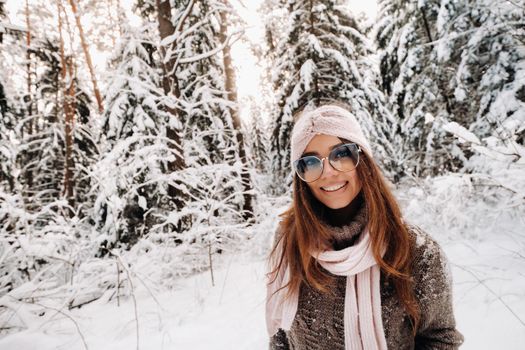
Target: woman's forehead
<point>322,144</point>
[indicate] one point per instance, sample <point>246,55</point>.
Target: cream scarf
<point>363,325</point>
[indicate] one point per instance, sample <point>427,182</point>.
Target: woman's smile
<point>337,188</point>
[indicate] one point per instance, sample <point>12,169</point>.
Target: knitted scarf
<point>363,325</point>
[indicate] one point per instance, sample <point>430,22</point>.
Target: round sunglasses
<point>343,158</point>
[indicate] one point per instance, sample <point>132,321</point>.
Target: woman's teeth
<point>333,188</point>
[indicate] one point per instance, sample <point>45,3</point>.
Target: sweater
<point>318,324</point>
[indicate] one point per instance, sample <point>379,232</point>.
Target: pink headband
<point>328,120</point>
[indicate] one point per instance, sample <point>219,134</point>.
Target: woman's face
<point>334,188</point>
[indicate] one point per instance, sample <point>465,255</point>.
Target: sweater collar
<point>346,235</point>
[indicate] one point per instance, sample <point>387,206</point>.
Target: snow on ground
<point>488,276</point>
<point>193,316</point>
<point>489,294</point>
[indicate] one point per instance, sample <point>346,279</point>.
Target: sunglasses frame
<point>353,144</point>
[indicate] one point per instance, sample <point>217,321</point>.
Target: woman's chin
<point>336,204</point>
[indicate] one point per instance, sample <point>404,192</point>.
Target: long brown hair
<point>302,232</point>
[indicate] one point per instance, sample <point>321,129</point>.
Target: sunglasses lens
<point>345,157</point>
<point>308,168</point>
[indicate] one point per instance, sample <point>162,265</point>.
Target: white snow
<point>194,315</point>
<point>461,132</point>
<point>489,290</point>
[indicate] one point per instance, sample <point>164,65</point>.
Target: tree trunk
<point>427,27</point>
<point>29,101</point>
<point>88,56</point>
<point>69,127</point>
<point>231,91</point>
<point>68,95</point>
<point>170,84</point>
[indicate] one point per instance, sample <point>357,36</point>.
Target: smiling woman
<point>346,271</point>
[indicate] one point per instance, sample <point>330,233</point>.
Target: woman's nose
<point>328,169</point>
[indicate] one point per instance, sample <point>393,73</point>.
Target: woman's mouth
<point>334,187</point>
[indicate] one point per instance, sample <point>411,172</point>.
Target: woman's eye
<point>342,153</point>
<point>310,162</point>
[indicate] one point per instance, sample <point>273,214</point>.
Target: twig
<point>211,264</point>
<point>118,285</point>
<point>63,313</point>
<point>159,306</point>
<point>225,277</point>
<point>79,305</point>
<point>30,294</point>
<point>491,291</point>
<point>113,252</point>
<point>513,252</point>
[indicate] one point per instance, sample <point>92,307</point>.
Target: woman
<point>346,272</point>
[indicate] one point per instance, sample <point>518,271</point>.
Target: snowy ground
<point>489,298</point>
<point>194,316</point>
<point>489,291</point>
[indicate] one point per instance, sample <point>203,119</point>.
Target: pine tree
<point>256,131</point>
<point>43,152</point>
<point>135,145</point>
<point>36,209</point>
<point>206,115</point>
<point>404,34</point>
<point>87,54</point>
<point>483,46</point>
<point>433,54</point>
<point>322,56</point>
<point>194,75</point>
<point>209,176</point>
<point>207,94</point>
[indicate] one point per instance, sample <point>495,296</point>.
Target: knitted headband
<point>328,120</point>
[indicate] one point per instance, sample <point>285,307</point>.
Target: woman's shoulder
<point>423,244</point>
<point>429,261</point>
<point>432,279</point>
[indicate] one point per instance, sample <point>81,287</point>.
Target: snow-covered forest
<point>141,184</point>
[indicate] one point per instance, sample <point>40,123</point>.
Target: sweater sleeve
<point>279,341</point>
<point>433,286</point>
